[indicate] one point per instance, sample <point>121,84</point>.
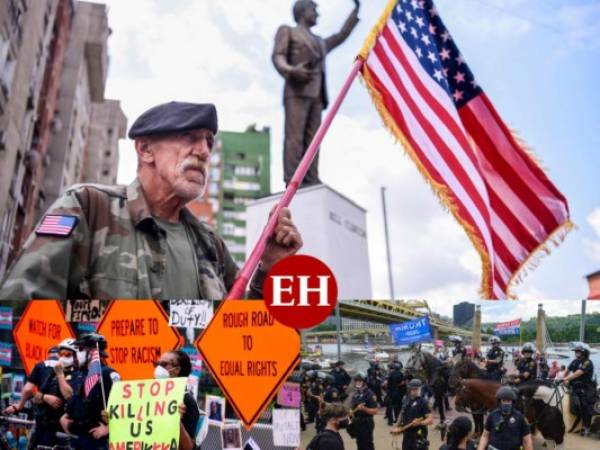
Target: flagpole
<point>239,286</point>
<point>101,378</point>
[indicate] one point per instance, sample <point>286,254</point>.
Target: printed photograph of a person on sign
<point>232,436</point>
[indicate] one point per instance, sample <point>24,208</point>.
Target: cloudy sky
<point>537,60</point>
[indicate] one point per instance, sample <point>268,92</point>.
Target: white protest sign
<point>190,313</point>
<point>286,427</point>
<point>251,445</point>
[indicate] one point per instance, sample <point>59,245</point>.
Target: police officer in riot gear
<point>527,366</point>
<point>83,417</point>
<point>414,418</point>
<point>580,376</point>
<point>505,427</point>
<point>313,393</point>
<point>329,395</point>
<point>494,360</point>
<point>375,380</point>
<point>396,388</point>
<point>342,379</point>
<point>363,406</point>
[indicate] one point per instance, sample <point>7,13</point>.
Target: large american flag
<point>430,100</point>
<point>94,372</point>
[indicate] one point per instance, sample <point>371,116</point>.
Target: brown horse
<point>477,397</point>
<point>545,407</point>
<point>465,368</point>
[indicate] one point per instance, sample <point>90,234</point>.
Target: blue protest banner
<point>411,332</point>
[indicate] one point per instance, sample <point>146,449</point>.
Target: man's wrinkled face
<point>181,161</point>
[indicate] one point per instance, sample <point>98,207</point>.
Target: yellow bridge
<point>387,312</point>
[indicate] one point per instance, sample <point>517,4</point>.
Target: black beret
<point>173,117</point>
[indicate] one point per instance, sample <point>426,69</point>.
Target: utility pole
<point>582,321</point>
<point>387,243</point>
<point>338,329</point>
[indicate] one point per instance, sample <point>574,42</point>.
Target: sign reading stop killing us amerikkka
<point>144,414</point>
<point>411,332</point>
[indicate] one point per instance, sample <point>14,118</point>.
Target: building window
<point>107,153</point>
<point>105,173</point>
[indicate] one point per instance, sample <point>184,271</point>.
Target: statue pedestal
<point>334,229</point>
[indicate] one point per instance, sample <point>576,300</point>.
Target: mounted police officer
<point>396,388</point>
<point>494,360</point>
<point>341,379</point>
<point>84,412</point>
<point>580,376</point>
<point>527,366</point>
<point>459,347</point>
<point>505,427</point>
<point>363,406</point>
<point>415,415</point>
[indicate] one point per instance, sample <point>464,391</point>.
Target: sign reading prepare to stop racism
<point>249,354</point>
<point>411,332</point>
<point>41,327</point>
<point>145,414</point>
<point>137,332</point>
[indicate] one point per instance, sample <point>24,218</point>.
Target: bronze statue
<point>299,56</point>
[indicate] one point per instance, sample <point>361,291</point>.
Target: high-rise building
<point>463,314</point>
<point>239,173</point>
<point>56,127</point>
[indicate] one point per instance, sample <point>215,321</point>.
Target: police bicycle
<point>20,423</point>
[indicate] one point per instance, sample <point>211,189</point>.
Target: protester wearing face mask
<point>505,427</point>
<point>85,411</point>
<point>173,364</point>
<point>336,418</point>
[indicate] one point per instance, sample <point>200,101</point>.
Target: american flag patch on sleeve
<point>56,225</point>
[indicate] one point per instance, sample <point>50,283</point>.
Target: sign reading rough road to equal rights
<point>145,414</point>
<point>137,332</point>
<point>259,355</point>
<point>42,326</point>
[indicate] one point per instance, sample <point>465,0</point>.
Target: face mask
<point>343,423</point>
<point>82,357</point>
<point>66,361</point>
<point>161,372</point>
<point>506,408</point>
<point>358,386</point>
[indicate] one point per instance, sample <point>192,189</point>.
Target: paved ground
<point>383,439</point>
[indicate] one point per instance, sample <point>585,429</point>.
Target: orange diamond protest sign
<point>249,354</point>
<point>41,327</point>
<point>137,333</point>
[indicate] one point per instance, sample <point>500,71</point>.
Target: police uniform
<point>506,431</point>
<point>527,369</point>
<point>109,244</point>
<point>494,369</point>
<point>341,381</point>
<point>85,411</point>
<point>583,388</point>
<point>395,392</point>
<point>414,438</point>
<point>363,423</point>
<point>459,350</point>
<point>46,417</point>
<point>374,380</point>
<point>330,395</point>
<point>315,388</point>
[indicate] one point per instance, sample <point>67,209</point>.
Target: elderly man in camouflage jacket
<point>139,241</point>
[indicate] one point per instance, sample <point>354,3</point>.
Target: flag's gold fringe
<point>376,30</point>
<point>439,190</point>
<point>527,149</point>
<point>553,240</point>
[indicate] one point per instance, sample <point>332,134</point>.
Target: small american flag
<point>431,102</point>
<point>94,373</point>
<point>56,225</point>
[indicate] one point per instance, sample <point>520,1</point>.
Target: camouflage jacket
<point>116,250</point>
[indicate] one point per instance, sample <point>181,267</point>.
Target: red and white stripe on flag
<point>94,372</point>
<point>428,98</point>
